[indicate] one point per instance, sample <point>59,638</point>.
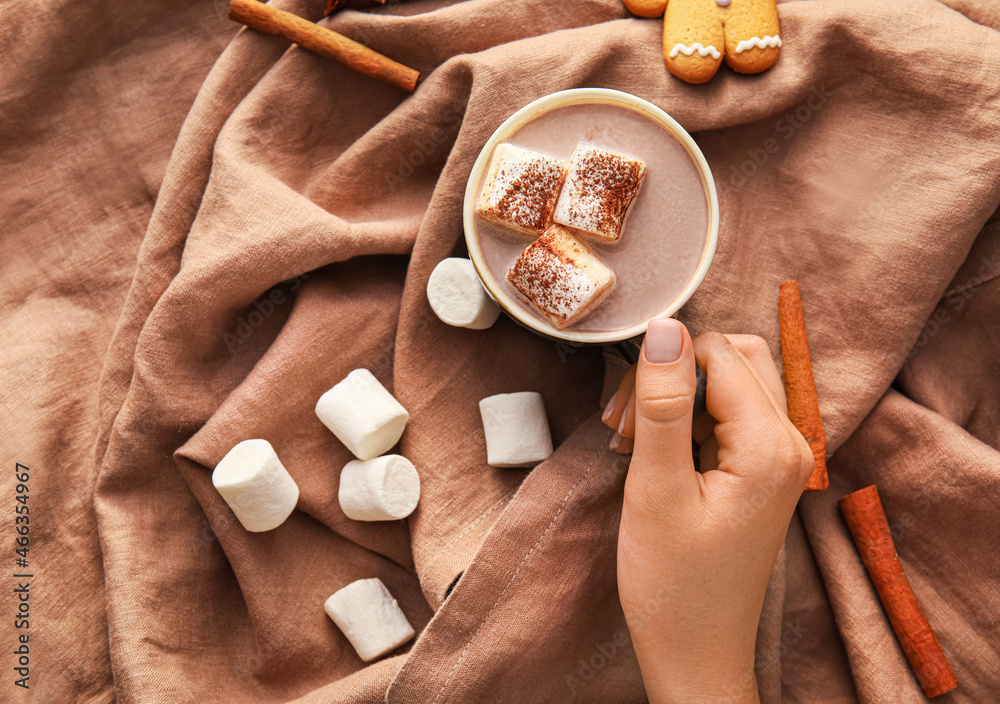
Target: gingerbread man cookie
<point>698,33</point>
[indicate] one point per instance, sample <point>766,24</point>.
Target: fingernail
<point>621,426</point>
<point>610,407</point>
<point>616,440</point>
<point>664,340</point>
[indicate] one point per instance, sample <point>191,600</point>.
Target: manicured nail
<point>621,426</point>
<point>664,341</point>
<point>616,440</point>
<point>609,409</point>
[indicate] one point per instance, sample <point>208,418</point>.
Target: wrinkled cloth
<point>203,230</point>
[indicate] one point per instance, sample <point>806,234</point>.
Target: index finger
<point>757,354</point>
<point>755,350</point>
<point>747,415</point>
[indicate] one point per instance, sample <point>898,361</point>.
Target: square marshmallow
<point>599,191</point>
<point>561,277</point>
<point>521,189</point>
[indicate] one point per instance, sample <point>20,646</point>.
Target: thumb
<point>665,387</point>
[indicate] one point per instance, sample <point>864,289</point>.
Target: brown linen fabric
<point>295,226</point>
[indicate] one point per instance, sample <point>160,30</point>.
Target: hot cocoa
<point>655,251</point>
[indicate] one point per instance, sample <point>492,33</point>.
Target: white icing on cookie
<point>697,46</point>
<point>767,42</point>
<point>722,3</point>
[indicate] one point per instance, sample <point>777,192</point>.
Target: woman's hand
<point>695,549</point>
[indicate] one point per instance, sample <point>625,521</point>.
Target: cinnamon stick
<point>868,524</point>
<point>322,41</point>
<point>800,387</point>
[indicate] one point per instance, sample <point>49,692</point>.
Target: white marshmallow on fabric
<point>370,618</point>
<point>517,431</point>
<point>457,296</point>
<point>255,484</point>
<point>362,414</point>
<point>385,488</point>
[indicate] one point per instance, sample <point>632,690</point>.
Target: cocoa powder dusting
<point>531,198</point>
<point>543,274</point>
<point>613,181</point>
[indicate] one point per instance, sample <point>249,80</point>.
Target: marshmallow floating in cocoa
<point>517,431</point>
<point>385,488</point>
<point>457,296</point>
<point>370,618</point>
<point>362,414</point>
<point>561,277</point>
<point>255,484</point>
<point>599,190</point>
<point>521,189</point>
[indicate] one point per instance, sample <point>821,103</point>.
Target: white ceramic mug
<point>515,308</point>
